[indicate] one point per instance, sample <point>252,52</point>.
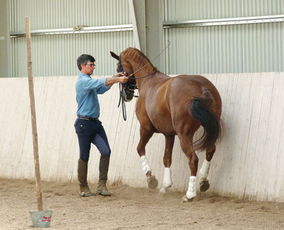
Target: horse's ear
<point>114,55</point>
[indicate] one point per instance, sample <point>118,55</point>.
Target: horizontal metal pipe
<point>225,21</point>
<point>76,30</point>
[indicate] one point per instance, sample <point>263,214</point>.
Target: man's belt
<point>88,118</point>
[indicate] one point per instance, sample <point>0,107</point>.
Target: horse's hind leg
<point>204,171</point>
<point>187,147</point>
<point>145,135</point>
<point>167,180</point>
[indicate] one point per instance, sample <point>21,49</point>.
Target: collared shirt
<point>87,90</point>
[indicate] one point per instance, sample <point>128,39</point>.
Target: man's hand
<point>121,77</point>
<point>117,78</point>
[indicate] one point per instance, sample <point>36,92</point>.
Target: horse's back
<point>194,82</point>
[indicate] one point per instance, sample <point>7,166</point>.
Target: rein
<point>122,101</point>
<point>126,93</point>
<point>123,94</point>
<point>148,75</point>
<point>132,75</point>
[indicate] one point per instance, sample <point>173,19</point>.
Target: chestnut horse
<point>173,106</point>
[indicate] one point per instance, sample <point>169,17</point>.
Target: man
<point>88,127</point>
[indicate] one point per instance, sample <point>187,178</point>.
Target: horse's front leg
<point>167,180</point>
<point>145,135</point>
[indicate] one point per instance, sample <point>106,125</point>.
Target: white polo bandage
<point>204,171</point>
<point>191,191</point>
<point>145,165</point>
<point>167,181</point>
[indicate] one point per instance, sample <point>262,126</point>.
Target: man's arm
<point>117,78</point>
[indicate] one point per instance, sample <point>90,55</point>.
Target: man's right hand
<point>123,79</point>
<point>117,78</point>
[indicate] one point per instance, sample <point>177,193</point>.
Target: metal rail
<point>224,21</point>
<point>76,30</point>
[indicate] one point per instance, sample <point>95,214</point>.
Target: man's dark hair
<point>83,59</point>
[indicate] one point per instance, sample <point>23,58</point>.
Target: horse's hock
<point>248,162</point>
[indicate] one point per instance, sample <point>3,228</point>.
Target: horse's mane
<point>138,57</point>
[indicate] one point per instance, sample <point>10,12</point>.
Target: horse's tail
<point>199,109</point>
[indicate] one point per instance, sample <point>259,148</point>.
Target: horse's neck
<point>143,70</point>
<point>151,79</point>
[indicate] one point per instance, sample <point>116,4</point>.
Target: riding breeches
<point>88,132</point>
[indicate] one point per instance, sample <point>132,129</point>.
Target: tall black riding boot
<point>82,178</point>
<point>103,168</point>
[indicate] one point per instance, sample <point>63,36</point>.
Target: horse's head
<point>128,87</point>
<point>122,65</point>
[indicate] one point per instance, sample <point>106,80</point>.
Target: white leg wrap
<point>191,191</point>
<point>145,165</point>
<point>167,181</point>
<point>204,171</point>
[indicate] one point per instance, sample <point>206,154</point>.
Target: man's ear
<point>114,55</point>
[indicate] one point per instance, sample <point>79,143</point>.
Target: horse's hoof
<point>185,199</point>
<point>152,182</point>
<point>165,189</point>
<point>204,185</point>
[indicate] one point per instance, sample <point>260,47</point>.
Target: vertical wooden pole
<point>33,115</point>
<point>134,23</point>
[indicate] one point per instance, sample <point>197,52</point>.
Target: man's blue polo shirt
<point>87,90</point>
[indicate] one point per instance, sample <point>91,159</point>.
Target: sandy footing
<point>132,208</point>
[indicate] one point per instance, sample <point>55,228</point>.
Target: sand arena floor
<point>132,208</point>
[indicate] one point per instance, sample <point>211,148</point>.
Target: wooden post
<point>33,115</point>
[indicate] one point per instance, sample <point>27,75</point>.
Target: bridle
<point>126,93</point>
<point>126,90</point>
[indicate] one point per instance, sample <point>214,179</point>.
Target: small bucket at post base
<point>41,219</point>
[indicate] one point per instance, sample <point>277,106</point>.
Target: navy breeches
<point>91,131</point>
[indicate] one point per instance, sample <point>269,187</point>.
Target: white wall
<point>249,161</point>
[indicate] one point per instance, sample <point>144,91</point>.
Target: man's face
<point>88,68</point>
